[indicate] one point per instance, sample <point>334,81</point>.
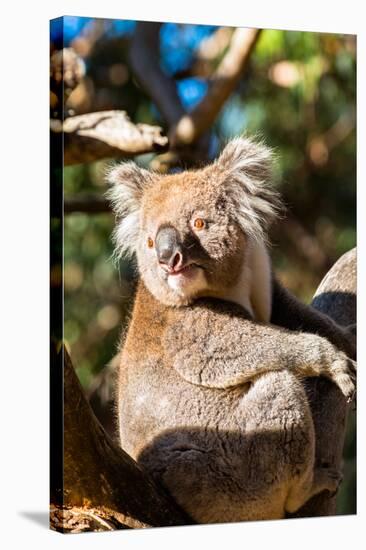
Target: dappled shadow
<point>229,476</point>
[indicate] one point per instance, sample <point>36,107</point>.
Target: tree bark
<point>336,297</point>
<point>104,134</point>
<point>100,486</point>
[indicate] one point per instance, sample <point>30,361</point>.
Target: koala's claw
<point>343,373</point>
<point>328,478</point>
<point>335,479</point>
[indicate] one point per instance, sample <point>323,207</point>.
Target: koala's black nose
<point>168,248</point>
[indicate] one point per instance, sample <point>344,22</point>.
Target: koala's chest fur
<point>214,449</point>
<point>253,290</point>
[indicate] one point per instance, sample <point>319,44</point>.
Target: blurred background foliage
<point>299,94</point>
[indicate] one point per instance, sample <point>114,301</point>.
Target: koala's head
<point>190,231</point>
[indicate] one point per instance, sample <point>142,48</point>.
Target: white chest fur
<point>253,289</point>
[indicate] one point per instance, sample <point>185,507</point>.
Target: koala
<point>210,394</point>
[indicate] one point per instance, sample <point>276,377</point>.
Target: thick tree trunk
<point>335,296</point>
<point>99,487</point>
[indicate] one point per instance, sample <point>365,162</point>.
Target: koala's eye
<point>199,223</point>
<point>150,242</point>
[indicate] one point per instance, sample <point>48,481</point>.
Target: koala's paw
<point>327,478</point>
<point>343,373</point>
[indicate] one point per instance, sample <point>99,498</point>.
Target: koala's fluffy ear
<point>128,184</point>
<point>247,167</point>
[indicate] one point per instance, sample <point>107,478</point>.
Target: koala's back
<point>225,455</point>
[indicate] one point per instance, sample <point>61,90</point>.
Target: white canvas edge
<point>24,273</point>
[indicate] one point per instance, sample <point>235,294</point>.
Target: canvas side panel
<point>56,282</point>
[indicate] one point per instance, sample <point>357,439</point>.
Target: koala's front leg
<point>213,344</point>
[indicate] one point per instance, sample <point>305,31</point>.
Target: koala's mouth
<point>185,278</point>
<point>186,270</point>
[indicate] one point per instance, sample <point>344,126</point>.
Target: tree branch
<point>102,487</point>
<point>103,134</point>
<point>91,204</point>
<point>336,297</point>
<point>144,57</point>
<point>223,82</point>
